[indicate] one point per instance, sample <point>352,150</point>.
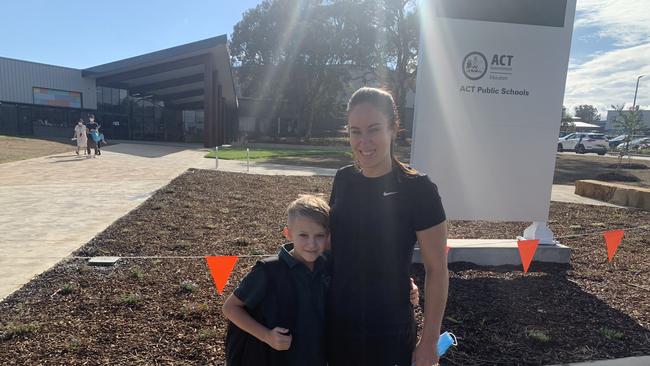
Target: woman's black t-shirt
<point>373,224</point>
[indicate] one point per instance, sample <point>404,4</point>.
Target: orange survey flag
<point>527,249</point>
<point>612,240</point>
<point>220,268</point>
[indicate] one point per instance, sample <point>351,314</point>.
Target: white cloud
<point>625,21</point>
<point>610,78</point>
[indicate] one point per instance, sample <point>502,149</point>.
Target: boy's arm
<point>234,310</point>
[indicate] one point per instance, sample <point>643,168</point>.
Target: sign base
<point>497,252</point>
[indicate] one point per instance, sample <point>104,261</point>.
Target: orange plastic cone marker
<point>612,240</point>
<point>527,250</point>
<point>220,268</point>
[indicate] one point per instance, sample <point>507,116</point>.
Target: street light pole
<point>636,90</point>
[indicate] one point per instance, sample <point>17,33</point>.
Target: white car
<point>583,142</point>
<point>635,143</point>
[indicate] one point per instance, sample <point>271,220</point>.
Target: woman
<point>379,208</point>
<point>80,136</point>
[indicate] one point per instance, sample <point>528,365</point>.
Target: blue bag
<point>95,135</point>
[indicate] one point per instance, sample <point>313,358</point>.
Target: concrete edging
<point>628,361</point>
<point>495,252</point>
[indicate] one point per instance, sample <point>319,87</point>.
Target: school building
<point>184,93</point>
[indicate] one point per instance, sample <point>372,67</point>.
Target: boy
<point>281,302</point>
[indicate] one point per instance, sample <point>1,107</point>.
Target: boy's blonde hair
<point>311,207</point>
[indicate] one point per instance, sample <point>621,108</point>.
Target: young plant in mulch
<point>84,269</point>
<point>67,289</point>
<point>610,334</point>
<point>453,320</point>
<point>193,311</point>
<point>177,247</point>
<point>131,300</point>
<point>15,330</point>
<point>75,345</point>
<point>208,334</point>
<point>538,336</point>
<point>188,286</point>
<point>137,273</point>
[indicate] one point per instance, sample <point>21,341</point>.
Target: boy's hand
<point>415,293</point>
<point>277,339</point>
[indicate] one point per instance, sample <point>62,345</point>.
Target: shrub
<point>188,286</point>
<point>538,336</point>
<point>67,289</point>
<point>16,330</point>
<point>610,334</point>
<point>131,300</point>
<point>137,273</point>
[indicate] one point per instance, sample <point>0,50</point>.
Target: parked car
<point>583,142</point>
<point>634,144</point>
<point>617,141</point>
<point>644,146</point>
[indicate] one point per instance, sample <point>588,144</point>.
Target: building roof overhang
<point>175,75</point>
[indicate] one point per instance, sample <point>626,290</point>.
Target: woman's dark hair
<point>383,101</point>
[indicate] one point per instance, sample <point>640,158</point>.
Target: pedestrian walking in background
<point>93,128</point>
<point>80,134</point>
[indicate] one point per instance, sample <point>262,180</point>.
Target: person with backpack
<point>277,313</point>
<point>94,139</point>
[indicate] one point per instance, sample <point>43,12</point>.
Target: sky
<point>610,45</point>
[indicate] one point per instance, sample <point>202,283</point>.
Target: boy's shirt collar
<point>286,256</point>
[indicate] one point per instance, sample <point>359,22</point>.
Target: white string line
<point>268,255</point>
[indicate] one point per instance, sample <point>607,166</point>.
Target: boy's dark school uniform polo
<point>307,345</point>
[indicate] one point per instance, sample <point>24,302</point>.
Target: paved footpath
<point>53,205</point>
<point>628,361</point>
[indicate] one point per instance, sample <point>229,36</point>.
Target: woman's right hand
<point>277,339</point>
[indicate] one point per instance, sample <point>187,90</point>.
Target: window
<point>193,125</point>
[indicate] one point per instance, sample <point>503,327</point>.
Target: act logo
<point>475,65</point>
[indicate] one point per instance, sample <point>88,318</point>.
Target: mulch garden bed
<point>166,311</point>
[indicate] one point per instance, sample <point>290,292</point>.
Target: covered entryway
<point>182,93</point>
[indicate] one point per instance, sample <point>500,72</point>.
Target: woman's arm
<point>234,310</point>
<point>432,244</point>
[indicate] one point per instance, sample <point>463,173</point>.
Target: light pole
<point>636,90</point>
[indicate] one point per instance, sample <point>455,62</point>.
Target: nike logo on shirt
<point>389,193</point>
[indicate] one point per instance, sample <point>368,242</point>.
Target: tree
<point>395,32</point>
<point>304,51</point>
<point>295,50</point>
<point>587,113</point>
<point>567,126</point>
<point>628,122</point>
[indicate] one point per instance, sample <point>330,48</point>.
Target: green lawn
<point>259,153</point>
